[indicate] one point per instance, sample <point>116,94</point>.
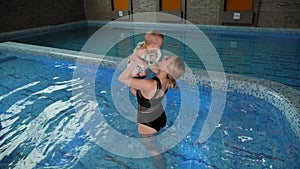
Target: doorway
<point>239,12</point>
<point>121,10</point>
<point>173,7</point>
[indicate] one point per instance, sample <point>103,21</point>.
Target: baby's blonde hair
<point>176,70</point>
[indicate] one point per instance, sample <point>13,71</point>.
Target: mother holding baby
<point>150,92</point>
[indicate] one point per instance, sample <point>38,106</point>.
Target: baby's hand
<point>136,57</point>
<point>140,53</point>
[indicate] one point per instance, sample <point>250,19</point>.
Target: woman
<point>150,92</point>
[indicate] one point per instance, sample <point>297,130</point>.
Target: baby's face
<point>159,43</point>
<point>155,47</point>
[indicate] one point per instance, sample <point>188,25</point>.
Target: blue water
<point>41,126</point>
<point>273,55</point>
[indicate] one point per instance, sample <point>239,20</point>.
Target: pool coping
<point>285,98</point>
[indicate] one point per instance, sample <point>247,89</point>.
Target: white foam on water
<point>62,132</point>
<point>34,131</point>
<point>245,138</point>
<point>20,88</point>
<point>60,86</point>
<point>37,134</point>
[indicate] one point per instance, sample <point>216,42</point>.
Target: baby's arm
<point>136,57</point>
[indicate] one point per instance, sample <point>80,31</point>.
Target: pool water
<point>71,39</point>
<point>41,127</point>
<point>271,55</point>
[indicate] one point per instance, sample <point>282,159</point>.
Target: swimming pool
<point>41,126</point>
<point>271,54</point>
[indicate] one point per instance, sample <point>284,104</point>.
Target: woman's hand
<point>154,68</point>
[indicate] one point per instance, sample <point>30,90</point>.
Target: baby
<point>147,52</point>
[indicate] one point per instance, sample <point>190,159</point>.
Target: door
<point>173,7</point>
<point>238,5</point>
<point>239,12</point>
<point>121,10</point>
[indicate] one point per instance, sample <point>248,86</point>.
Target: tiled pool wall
<point>283,97</point>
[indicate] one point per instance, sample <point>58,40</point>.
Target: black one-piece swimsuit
<point>150,111</point>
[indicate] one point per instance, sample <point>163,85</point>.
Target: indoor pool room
<point>63,103</point>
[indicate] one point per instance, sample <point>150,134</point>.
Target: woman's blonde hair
<point>176,70</point>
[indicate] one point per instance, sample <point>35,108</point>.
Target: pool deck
<point>285,98</point>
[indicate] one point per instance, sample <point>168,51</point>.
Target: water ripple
<point>58,123</point>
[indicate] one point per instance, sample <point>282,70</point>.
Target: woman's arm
<point>127,79</point>
<point>126,76</point>
<point>154,68</point>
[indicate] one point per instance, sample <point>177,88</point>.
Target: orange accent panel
<point>239,5</point>
<point>170,4</point>
<point>120,5</point>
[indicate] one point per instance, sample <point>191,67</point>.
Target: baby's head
<point>154,39</point>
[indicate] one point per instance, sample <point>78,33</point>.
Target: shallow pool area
<point>44,114</point>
